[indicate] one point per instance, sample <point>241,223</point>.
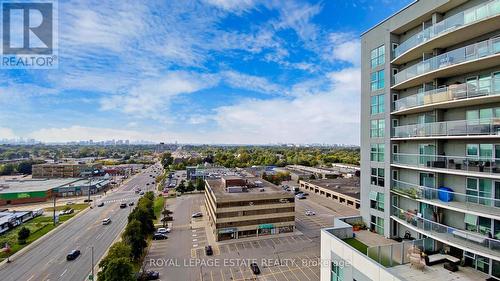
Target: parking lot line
<point>290,269</point>
<point>300,268</point>
<point>193,253</point>
<point>232,275</point>
<point>212,275</point>
<point>222,274</point>
<point>308,267</point>
<point>279,267</point>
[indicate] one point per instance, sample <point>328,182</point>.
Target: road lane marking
<point>64,272</point>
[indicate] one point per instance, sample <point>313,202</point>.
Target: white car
<point>106,221</point>
<point>310,213</point>
<point>163,230</point>
<point>197,215</point>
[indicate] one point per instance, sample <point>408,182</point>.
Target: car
<point>148,275</point>
<point>300,196</point>
<point>141,193</point>
<point>131,204</point>
<point>73,255</point>
<point>255,268</point>
<point>87,200</point>
<point>137,191</point>
<point>159,236</point>
<point>100,204</point>
<point>208,250</point>
<point>299,192</point>
<point>197,215</point>
<point>306,194</point>
<point>66,212</point>
<point>69,203</point>
<point>106,221</point>
<point>147,183</point>
<point>163,230</point>
<point>310,213</point>
<point>123,205</point>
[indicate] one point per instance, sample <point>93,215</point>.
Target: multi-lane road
<point>47,260</point>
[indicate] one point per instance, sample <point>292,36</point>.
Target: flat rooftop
<point>436,272</point>
<point>255,186</point>
<point>346,186</point>
<point>12,186</point>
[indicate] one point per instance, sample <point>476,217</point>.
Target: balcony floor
<point>453,240</point>
<point>437,272</point>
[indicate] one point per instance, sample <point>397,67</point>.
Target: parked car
<point>197,215</point>
<point>310,213</point>
<point>163,230</point>
<point>141,193</point>
<point>300,196</point>
<point>66,212</point>
<point>131,204</point>
<point>87,200</point>
<point>69,203</point>
<point>100,204</point>
<point>208,250</point>
<point>106,221</point>
<point>123,205</point>
<point>255,268</point>
<point>159,236</point>
<point>73,255</point>
<point>148,275</point>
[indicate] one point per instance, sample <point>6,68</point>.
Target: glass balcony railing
<point>451,23</point>
<point>489,126</point>
<point>460,55</point>
<point>469,239</point>
<point>489,87</point>
<point>473,164</point>
<point>448,197</point>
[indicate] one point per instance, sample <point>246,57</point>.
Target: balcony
<point>480,128</point>
<point>458,28</point>
<point>473,57</point>
<point>460,202</point>
<point>475,166</point>
<point>471,241</point>
<point>450,96</point>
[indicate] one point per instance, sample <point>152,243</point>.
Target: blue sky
<point>212,71</point>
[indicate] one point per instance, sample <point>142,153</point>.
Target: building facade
<point>62,170</point>
<point>430,128</point>
<point>241,207</point>
<point>343,191</point>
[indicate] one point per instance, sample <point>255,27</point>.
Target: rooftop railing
<point>446,196</point>
<point>476,164</point>
<point>485,126</point>
<point>488,87</point>
<point>451,23</point>
<point>460,55</point>
<point>473,240</point>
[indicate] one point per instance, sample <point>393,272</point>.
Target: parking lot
<point>287,257</point>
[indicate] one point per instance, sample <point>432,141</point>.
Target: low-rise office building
<point>241,206</point>
<point>62,170</point>
<point>341,190</point>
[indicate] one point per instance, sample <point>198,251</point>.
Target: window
<point>483,151</point>
<point>378,56</point>
<point>377,128</point>
<point>377,104</point>
<point>377,176</point>
<point>377,224</point>
<point>377,200</point>
<point>478,191</point>
<point>337,273</point>
<point>377,152</point>
<point>377,80</point>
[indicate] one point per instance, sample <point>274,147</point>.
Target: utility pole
<point>54,210</point>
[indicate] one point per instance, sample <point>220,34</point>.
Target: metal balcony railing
<point>468,53</point>
<point>488,87</point>
<point>451,23</point>
<point>472,240</point>
<point>475,164</point>
<point>469,202</point>
<point>486,126</point>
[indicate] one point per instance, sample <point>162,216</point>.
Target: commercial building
<point>205,171</point>
<point>40,190</point>
<point>62,170</point>
<point>240,206</point>
<point>430,120</point>
<point>320,173</point>
<point>345,191</point>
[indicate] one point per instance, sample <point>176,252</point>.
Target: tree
<point>118,269</point>
<point>22,235</point>
<point>200,185</point>
<point>134,237</point>
<point>181,187</point>
<point>117,250</point>
<point>24,167</point>
<point>166,159</point>
<point>190,186</point>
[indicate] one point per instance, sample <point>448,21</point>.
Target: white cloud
<point>235,6</point>
<point>344,47</point>
<point>6,133</point>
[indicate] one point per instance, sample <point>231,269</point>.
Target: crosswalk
<point>119,200</point>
